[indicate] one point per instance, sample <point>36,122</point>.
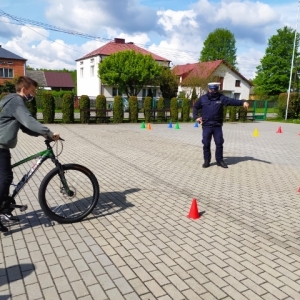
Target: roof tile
<point>120,45</point>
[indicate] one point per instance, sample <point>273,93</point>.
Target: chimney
<point>119,41</point>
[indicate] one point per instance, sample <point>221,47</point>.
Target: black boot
<point>222,164</point>
<point>206,164</point>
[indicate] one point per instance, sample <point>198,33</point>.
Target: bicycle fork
<point>65,187</point>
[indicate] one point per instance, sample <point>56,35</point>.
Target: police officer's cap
<point>214,85</point>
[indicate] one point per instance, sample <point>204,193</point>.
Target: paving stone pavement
<point>138,243</point>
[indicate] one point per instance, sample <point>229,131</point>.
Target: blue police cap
<point>214,85</point>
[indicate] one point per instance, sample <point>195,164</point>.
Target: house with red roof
<point>11,65</point>
<point>52,80</point>
<point>88,82</point>
<point>233,83</point>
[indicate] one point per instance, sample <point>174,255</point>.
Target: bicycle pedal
<point>23,208</point>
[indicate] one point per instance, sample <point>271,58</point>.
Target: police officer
<point>211,107</point>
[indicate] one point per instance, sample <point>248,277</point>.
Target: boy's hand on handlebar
<point>55,136</point>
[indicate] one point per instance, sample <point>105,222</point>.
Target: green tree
<point>273,73</point>
<point>129,71</point>
<point>219,44</point>
<point>168,83</point>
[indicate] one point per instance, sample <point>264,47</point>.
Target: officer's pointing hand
<point>246,104</point>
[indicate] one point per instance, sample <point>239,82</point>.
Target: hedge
<point>84,103</point>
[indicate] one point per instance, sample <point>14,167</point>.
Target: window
<point>147,92</point>
<point>81,72</point>
<point>237,83</point>
<point>92,71</point>
<point>116,92</point>
<point>91,60</point>
<point>6,73</point>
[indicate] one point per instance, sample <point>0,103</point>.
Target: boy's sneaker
<point>3,228</point>
<point>9,217</point>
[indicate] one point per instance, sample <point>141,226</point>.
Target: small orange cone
<point>279,130</point>
<point>149,126</point>
<point>194,213</point>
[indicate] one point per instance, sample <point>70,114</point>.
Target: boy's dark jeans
<point>6,174</point>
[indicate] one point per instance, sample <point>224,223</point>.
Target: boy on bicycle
<point>14,116</point>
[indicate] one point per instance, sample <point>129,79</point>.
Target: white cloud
<point>175,35</point>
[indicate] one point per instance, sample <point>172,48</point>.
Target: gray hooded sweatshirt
<point>15,116</point>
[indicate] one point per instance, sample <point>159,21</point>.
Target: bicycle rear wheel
<point>73,205</point>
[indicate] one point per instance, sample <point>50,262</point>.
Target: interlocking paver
<point>138,243</point>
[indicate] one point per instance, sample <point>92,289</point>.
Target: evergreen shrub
<point>118,112</point>
<point>84,103</point>
<point>185,112</point>
<point>174,109</point>
<point>133,109</point>
<point>147,109</point>
<point>48,108</point>
<point>68,108</point>
<point>161,105</point>
<point>101,105</point>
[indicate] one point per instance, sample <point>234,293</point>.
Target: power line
<point>177,53</point>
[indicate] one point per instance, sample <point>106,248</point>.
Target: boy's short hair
<point>26,82</point>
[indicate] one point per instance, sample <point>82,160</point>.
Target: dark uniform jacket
<point>211,107</point>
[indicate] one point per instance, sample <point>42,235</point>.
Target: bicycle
<point>67,194</point>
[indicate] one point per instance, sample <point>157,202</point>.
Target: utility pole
<point>292,65</point>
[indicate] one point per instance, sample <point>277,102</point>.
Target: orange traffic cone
<point>298,190</point>
<point>149,126</point>
<point>279,130</point>
<point>194,213</point>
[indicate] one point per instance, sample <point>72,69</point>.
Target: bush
<point>84,103</point>
<point>224,113</point>
<point>68,108</point>
<point>185,112</point>
<point>101,105</point>
<point>161,105</point>
<point>48,107</point>
<point>242,114</point>
<point>118,112</point>
<point>293,108</point>
<point>174,110</point>
<point>31,105</point>
<point>147,109</point>
<point>133,109</point>
<point>232,114</point>
<point>194,96</point>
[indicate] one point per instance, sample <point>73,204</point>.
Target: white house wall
<point>91,85</point>
<point>88,82</point>
<point>230,78</point>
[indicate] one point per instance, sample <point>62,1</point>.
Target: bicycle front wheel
<point>70,197</point>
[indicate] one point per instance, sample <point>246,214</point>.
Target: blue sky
<point>173,29</point>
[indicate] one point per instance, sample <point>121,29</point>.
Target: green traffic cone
<point>143,126</point>
<point>177,126</point>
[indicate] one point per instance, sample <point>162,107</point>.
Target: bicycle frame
<point>42,156</point>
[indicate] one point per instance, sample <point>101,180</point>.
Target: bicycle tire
<point>63,208</point>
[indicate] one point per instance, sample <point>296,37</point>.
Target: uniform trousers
<point>207,134</point>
